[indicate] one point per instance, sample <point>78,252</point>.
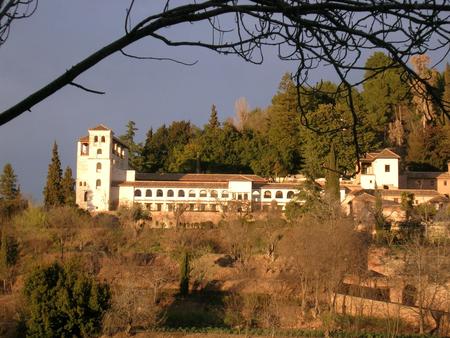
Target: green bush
<point>63,301</point>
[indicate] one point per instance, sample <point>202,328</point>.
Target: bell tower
<point>99,156</point>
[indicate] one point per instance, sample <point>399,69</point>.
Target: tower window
<point>99,167</point>
<point>99,151</point>
<point>103,139</point>
<point>85,196</point>
<point>98,183</point>
<point>387,168</point>
<point>95,139</point>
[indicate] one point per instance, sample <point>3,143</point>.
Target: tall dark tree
<point>385,90</point>
<point>53,194</point>
<point>213,119</point>
<point>68,187</point>
<point>446,93</point>
<point>135,159</point>
<point>283,129</point>
<point>332,176</point>
<point>8,183</point>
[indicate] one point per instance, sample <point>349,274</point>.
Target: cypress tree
<point>185,272</point>
<point>53,194</point>
<point>8,183</point>
<point>332,182</point>
<point>446,94</point>
<point>68,187</point>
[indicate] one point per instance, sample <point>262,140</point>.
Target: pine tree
<point>68,187</point>
<point>53,194</point>
<point>8,184</point>
<point>213,122</point>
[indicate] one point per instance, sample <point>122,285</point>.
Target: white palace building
<point>105,182</point>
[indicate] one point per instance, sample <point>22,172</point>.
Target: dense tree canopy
<point>278,141</point>
<point>63,301</point>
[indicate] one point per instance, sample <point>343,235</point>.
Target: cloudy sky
<point>151,93</point>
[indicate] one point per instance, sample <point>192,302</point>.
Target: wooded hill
<point>279,140</point>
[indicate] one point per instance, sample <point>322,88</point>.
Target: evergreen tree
<point>213,122</point>
<point>384,91</point>
<point>53,194</point>
<point>135,150</point>
<point>63,301</point>
<point>332,180</point>
<point>185,272</point>
<point>8,184</point>
<point>68,187</point>
<point>446,94</point>
<point>283,129</point>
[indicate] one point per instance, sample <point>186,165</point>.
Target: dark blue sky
<point>151,93</point>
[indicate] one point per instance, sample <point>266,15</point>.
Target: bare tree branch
<point>312,33</point>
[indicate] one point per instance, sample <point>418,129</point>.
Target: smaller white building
<point>379,170</point>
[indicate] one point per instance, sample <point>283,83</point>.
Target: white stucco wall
<point>386,178</point>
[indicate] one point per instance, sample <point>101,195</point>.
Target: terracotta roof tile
<point>173,184</point>
<point>100,127</point>
<point>84,139</point>
<point>198,177</point>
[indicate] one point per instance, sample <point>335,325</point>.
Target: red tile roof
<point>100,127</point>
<point>198,177</point>
<point>385,153</point>
<point>84,139</point>
<point>173,184</point>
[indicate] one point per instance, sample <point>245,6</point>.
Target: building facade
<point>104,182</point>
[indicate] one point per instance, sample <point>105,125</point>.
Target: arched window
<point>98,183</point>
<point>103,139</point>
<point>99,166</point>
<point>81,184</point>
<point>279,194</point>
<point>290,194</point>
<point>148,193</point>
<point>169,193</point>
<point>267,194</point>
<point>99,151</point>
<point>191,193</point>
<point>86,196</point>
<point>203,193</point>
<point>224,194</point>
<point>137,193</point>
<point>95,139</point>
<point>180,193</point>
<point>214,193</point>
<point>159,193</point>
